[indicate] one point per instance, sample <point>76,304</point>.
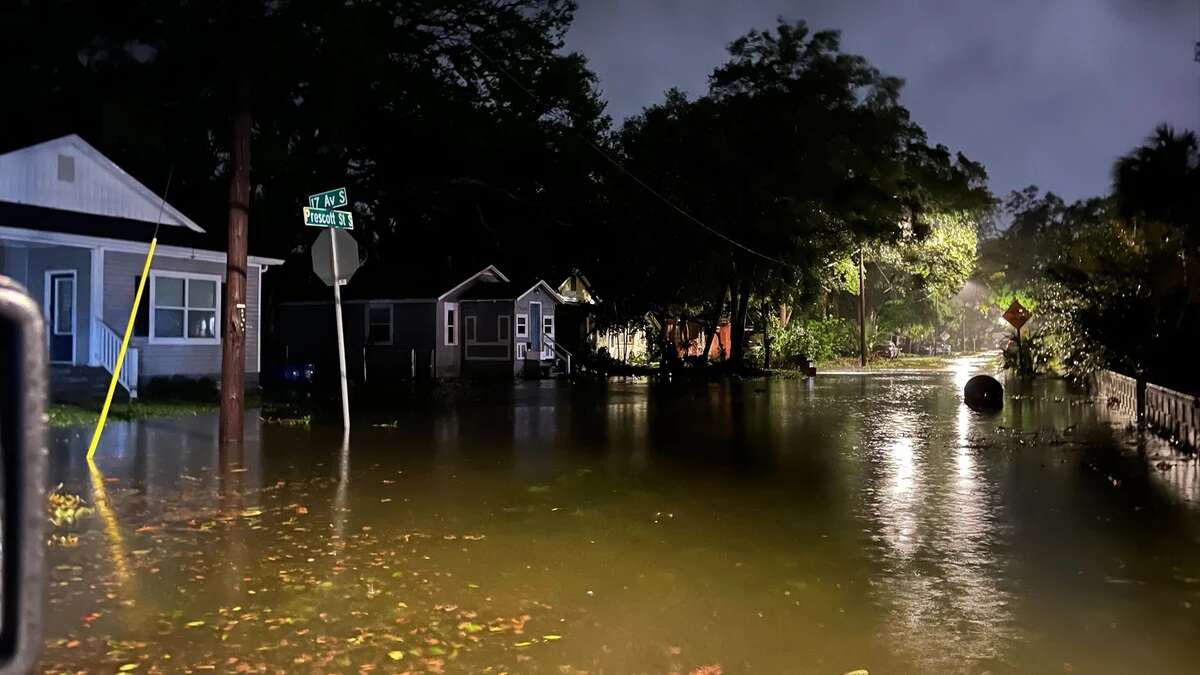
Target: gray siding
<point>549,305</point>
<point>39,259</point>
<point>121,271</point>
<point>486,348</point>
<point>307,331</point>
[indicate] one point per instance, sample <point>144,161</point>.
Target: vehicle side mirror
<point>23,458</point>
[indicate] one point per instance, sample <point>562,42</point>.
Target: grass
<point>70,415</point>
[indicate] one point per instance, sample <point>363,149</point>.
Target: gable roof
<point>492,269</point>
<point>542,282</point>
<point>97,186</point>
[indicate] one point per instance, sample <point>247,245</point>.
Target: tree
<point>798,155</point>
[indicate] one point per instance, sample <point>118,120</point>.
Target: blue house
<point>74,230</point>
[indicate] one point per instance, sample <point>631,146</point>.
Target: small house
<point>74,230</point>
<point>482,325</point>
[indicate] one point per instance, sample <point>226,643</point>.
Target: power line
<point>646,186</point>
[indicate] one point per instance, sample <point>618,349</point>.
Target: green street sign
<point>332,199</point>
<point>342,220</point>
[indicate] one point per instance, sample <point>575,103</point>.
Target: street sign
<point>1016,314</point>
<point>342,220</point>
<point>945,336</point>
<point>347,256</point>
<point>331,199</point>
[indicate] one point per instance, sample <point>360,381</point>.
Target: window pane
<point>202,294</point>
<point>168,323</point>
<point>380,315</point>
<point>64,298</point>
<point>202,324</point>
<point>168,292</point>
<point>379,333</point>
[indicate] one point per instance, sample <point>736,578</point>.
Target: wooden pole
<point>233,344</point>
<point>862,309</point>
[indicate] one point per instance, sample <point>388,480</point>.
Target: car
<point>887,350</point>
<point>943,348</point>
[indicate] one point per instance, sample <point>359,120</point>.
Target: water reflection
<point>940,528</point>
<point>821,526</point>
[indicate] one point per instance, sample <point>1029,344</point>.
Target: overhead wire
<point>623,169</point>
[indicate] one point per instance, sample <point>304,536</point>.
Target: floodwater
<point>851,522</point>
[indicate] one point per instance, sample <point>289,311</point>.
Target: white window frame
<point>522,349</point>
<point>505,321</point>
<point>548,325</point>
<point>522,325</point>
<point>48,290</point>
<point>450,330</point>
<point>186,276</point>
<point>469,324</point>
<point>390,323</point>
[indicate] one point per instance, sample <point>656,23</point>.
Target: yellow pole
<point>112,385</point>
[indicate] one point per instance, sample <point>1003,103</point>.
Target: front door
<point>60,309</point>
<point>535,327</point>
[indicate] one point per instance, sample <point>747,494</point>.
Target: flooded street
<point>784,526</point>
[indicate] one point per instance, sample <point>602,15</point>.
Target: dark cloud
<point>1042,91</point>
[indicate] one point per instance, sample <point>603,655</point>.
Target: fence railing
<point>108,347</point>
<point>1172,414</point>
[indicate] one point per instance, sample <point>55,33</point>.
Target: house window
<point>522,325</point>
<point>548,325</point>
<point>184,308</point>
<point>64,305</point>
<point>470,321</point>
<point>66,168</point>
<point>451,323</point>
<point>379,324</point>
<point>503,326</point>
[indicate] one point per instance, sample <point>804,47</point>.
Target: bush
<point>181,388</point>
<point>812,339</point>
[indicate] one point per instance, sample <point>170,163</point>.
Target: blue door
<point>60,293</point>
<point>535,326</point>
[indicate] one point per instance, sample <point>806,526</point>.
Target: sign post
<point>1017,316</point>
<point>341,339</point>
<point>321,213</point>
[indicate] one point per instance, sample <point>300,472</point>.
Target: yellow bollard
<point>112,385</point>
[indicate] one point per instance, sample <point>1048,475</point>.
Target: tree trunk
<point>785,315</point>
<point>233,345</point>
<point>766,329</point>
<point>737,328</point>
<point>714,322</point>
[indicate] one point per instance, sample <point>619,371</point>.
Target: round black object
<point>984,392</point>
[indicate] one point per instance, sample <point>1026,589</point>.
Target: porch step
<point>79,384</point>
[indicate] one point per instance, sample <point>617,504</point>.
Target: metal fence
<point>1172,414</point>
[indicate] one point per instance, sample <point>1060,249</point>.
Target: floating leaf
<point>552,637</point>
<point>396,655</point>
<point>128,667</point>
<point>194,624</point>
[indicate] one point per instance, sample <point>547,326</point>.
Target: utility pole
<point>233,345</point>
<point>862,309</point>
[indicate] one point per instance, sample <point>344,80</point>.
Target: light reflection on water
<point>792,526</point>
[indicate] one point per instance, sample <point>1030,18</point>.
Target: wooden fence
<point>1172,414</point>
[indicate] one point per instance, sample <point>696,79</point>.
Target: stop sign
<point>347,256</point>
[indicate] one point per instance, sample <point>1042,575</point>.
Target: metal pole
<point>341,340</point>
<point>862,310</point>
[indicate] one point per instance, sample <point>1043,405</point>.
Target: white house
<point>74,230</point>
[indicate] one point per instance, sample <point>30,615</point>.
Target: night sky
<point>1048,92</point>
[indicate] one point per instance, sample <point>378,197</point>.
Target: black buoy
<point>983,392</point>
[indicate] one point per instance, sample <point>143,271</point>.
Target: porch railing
<point>558,351</point>
<point>108,346</point>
